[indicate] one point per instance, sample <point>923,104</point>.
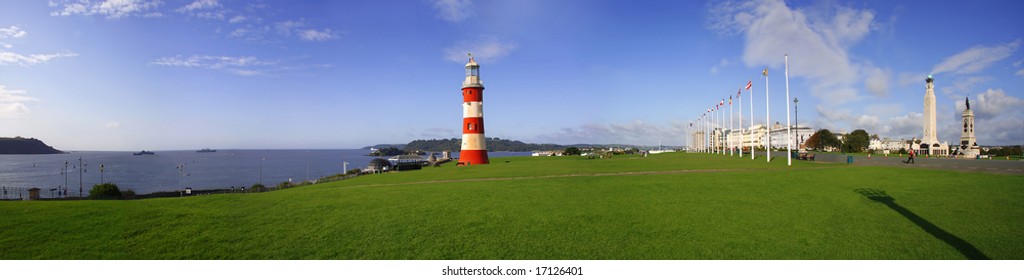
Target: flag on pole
<point>765,73</point>
<point>721,103</point>
<point>750,84</point>
<point>738,92</point>
<point>730,100</point>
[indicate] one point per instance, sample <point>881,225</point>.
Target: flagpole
<point>750,91</point>
<point>767,121</point>
<point>789,131</point>
<point>718,124</point>
<point>739,98</point>
<point>710,122</point>
<point>722,120</point>
<point>721,123</point>
<point>730,126</point>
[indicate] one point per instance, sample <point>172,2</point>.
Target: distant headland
<point>25,146</point>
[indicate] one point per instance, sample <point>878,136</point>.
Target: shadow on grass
<point>958,243</point>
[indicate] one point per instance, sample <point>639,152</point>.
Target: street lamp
<point>796,120</point>
<point>261,170</point>
<point>81,169</point>
<point>181,175</point>
<point>65,173</point>
<point>101,173</point>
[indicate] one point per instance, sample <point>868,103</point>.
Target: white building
<point>755,135</point>
<point>886,145</point>
<point>780,135</point>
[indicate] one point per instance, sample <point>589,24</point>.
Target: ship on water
<point>206,150</point>
<point>144,152</point>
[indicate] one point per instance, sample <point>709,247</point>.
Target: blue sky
<point>147,74</point>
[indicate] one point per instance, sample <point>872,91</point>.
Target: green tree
<point>813,142</point>
<point>856,141</point>
<point>828,140</point>
<point>105,191</point>
<point>258,187</point>
<point>821,139</point>
<point>572,151</point>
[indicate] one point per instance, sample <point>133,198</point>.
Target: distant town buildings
<point>754,136</point>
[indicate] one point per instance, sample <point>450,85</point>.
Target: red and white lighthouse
<point>474,149</point>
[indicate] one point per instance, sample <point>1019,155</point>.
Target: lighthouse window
<point>471,126</point>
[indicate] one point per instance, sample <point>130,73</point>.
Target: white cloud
<point>877,81</point>
<point>1019,72</point>
<point>297,28</point>
<point>113,125</point>
<point>714,69</point>
<point>976,58</point>
<point>994,103</point>
<point>285,28</point>
<point>12,32</point>
<point>237,19</point>
<point>316,35</point>
<point>242,65</point>
<point>963,85</point>
<point>12,102</point>
<point>818,44</point>
<point>483,48</point>
<point>199,5</point>
<point>10,58</point>
<point>204,9</point>
<point>112,9</point>
<point>878,120</point>
<point>454,10</point>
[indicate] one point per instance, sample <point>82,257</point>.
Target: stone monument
<point>968,143</point>
<point>929,142</point>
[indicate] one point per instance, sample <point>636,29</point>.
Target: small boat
<point>144,152</point>
<point>206,150</point>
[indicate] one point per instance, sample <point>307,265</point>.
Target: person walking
<point>910,157</point>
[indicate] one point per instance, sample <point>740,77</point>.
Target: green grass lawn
<point>667,206</point>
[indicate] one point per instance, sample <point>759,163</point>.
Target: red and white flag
<point>748,85</point>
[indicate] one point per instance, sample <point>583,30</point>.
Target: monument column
<point>929,113</point>
<point>968,143</point>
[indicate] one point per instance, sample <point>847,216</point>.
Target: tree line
<point>854,142</point>
<point>493,144</point>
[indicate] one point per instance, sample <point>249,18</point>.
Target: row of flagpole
<point>713,118</point>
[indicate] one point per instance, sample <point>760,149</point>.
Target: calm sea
<point>160,172</point>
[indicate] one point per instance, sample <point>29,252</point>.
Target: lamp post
<point>261,170</point>
<point>181,175</point>
<point>81,168</point>
<point>796,120</point>
<point>101,173</point>
<point>65,172</point>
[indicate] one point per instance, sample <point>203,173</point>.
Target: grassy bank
<point>668,206</point>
